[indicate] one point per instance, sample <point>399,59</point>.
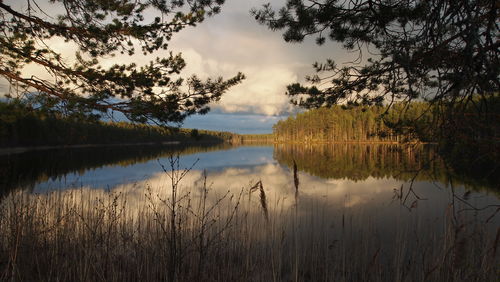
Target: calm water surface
<point>370,181</point>
<point>398,206</point>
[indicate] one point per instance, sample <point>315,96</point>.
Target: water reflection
<point>364,179</point>
<point>325,167</point>
<point>360,211</point>
<point>110,166</point>
<point>358,162</point>
<point>374,196</point>
<point>62,167</point>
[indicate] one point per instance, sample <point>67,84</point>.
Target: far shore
<point>23,149</point>
<point>351,142</point>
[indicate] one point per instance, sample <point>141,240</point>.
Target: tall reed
<point>177,233</point>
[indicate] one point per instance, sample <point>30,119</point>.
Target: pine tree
<point>153,91</point>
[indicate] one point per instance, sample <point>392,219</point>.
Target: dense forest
<point>253,138</point>
<point>475,122</point>
<point>22,125</point>
<point>467,133</point>
<point>470,138</point>
<point>358,124</point>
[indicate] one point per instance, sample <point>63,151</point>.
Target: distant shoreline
<point>23,149</point>
<point>350,142</point>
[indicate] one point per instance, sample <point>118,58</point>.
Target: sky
<point>230,42</point>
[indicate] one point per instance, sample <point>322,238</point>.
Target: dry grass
<point>190,234</point>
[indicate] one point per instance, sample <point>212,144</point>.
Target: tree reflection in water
<point>362,213</point>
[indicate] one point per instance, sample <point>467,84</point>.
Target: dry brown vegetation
<point>177,233</point>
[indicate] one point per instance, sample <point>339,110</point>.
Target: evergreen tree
<point>440,50</point>
<point>403,122</point>
<point>143,92</point>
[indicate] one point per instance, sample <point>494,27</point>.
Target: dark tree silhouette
<point>99,29</point>
<point>445,52</point>
<point>439,50</point>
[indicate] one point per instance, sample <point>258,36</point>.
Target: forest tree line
<point>357,124</point>
<point>22,125</point>
<point>467,133</point>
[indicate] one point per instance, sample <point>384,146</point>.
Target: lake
<point>265,212</point>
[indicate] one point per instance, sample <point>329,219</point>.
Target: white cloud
<point>226,44</point>
<point>277,183</point>
<point>262,92</point>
